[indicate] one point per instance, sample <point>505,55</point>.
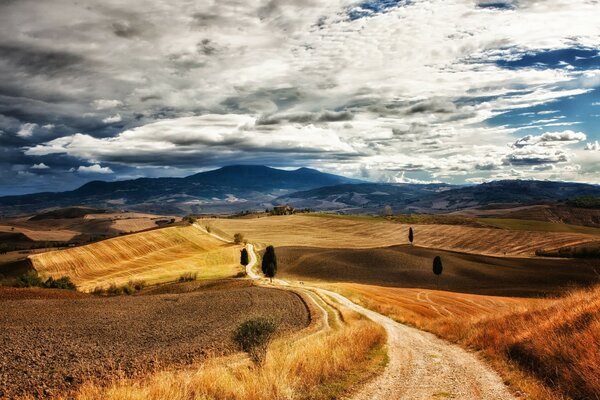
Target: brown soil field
<point>411,267</point>
<point>154,256</point>
<point>51,346</point>
<point>336,232</point>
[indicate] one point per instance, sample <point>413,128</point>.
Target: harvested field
<point>56,344</point>
<point>411,267</point>
<point>154,256</point>
<point>357,232</point>
<point>81,224</point>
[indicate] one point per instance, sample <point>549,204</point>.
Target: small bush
<point>114,290</point>
<point>137,284</point>
<point>98,291</point>
<point>32,279</point>
<point>238,238</point>
<point>188,277</point>
<point>254,335</point>
<point>64,282</point>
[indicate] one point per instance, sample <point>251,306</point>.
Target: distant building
<point>283,210</point>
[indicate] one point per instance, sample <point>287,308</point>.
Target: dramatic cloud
<point>398,89</point>
<point>40,166</point>
<point>550,139</point>
<point>112,119</point>
<point>26,130</point>
<point>94,169</point>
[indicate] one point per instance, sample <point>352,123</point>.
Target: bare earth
<point>51,345</point>
<point>421,366</point>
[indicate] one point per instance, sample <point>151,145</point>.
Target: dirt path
<point>421,366</point>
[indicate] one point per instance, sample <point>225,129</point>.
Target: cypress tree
<point>269,262</point>
<point>244,257</point>
<point>437,265</point>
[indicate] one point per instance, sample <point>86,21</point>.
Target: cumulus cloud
<point>550,139</point>
<point>594,146</point>
<point>113,119</point>
<point>40,166</point>
<point>192,139</point>
<point>94,169</point>
<point>26,130</point>
<point>103,104</point>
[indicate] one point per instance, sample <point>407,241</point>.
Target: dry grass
<point>155,256</point>
<point>422,307</point>
<point>330,232</point>
<point>545,348</point>
<point>320,366</point>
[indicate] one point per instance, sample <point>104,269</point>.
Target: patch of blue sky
<point>577,113</point>
<point>370,8</point>
<point>576,58</point>
<point>497,5</point>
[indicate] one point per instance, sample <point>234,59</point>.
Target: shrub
<point>114,290</point>
<point>30,279</point>
<point>98,290</point>
<point>238,238</point>
<point>138,284</point>
<point>188,277</point>
<point>254,335</point>
<point>64,282</point>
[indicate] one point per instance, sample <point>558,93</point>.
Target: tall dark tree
<point>411,236</point>
<point>244,257</point>
<point>437,265</point>
<point>269,263</point>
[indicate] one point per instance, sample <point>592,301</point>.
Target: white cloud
<point>112,119</point>
<point>103,104</point>
<point>94,169</point>
<point>594,146</point>
<point>40,166</point>
<point>26,130</point>
<point>550,139</point>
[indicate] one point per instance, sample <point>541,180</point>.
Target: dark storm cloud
<point>35,61</point>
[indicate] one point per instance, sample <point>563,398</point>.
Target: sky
<point>457,91</point>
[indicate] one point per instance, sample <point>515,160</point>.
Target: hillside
<point>153,256</point>
<point>410,267</point>
<point>364,232</point>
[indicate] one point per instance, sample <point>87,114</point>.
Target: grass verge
<point>546,349</point>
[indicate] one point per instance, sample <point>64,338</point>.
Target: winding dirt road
<point>421,366</point>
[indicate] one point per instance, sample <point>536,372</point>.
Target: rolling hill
<point>153,256</point>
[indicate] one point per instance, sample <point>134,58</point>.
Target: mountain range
<point>254,187</point>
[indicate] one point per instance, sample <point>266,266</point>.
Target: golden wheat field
<point>339,232</point>
<point>154,256</point>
